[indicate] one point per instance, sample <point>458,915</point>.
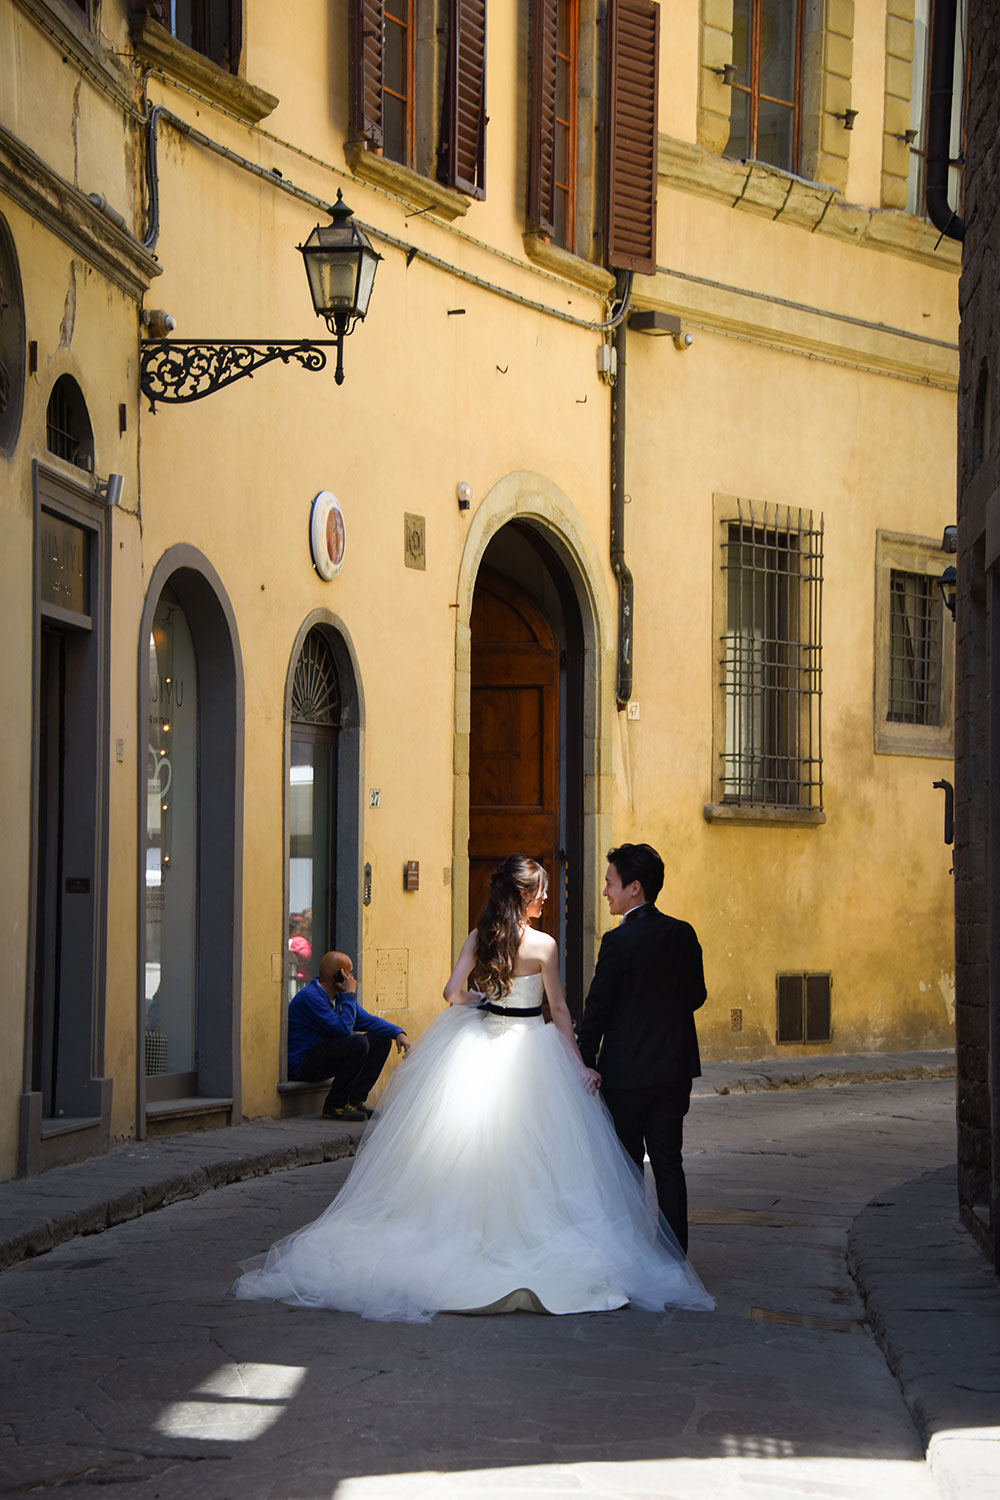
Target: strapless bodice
<point>525,989</point>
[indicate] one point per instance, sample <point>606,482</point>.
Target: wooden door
<point>514,745</point>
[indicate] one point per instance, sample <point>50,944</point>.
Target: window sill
<point>758,188</point>
<point>573,267</point>
<point>422,192</point>
<point>927,741</point>
<point>803,817</point>
<point>154,44</point>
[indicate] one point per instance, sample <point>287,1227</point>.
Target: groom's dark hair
<point>638,862</point>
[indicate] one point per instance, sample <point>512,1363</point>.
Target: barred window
<point>771,659</point>
<point>915,654</point>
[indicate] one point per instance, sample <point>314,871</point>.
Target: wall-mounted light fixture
<point>848,116</point>
<point>947,583</point>
<point>111,488</point>
<point>464,492</point>
<point>340,264</point>
<point>655,323</point>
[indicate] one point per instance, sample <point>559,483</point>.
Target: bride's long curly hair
<point>498,933</point>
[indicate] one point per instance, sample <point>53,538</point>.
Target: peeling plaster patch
<point>946,984</point>
<point>76,133</point>
<point>68,323</point>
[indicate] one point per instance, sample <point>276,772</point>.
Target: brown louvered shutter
<point>542,125</point>
<point>366,26</point>
<point>463,135</point>
<point>633,58</point>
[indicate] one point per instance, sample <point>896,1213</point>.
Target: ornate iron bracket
<point>174,371</point>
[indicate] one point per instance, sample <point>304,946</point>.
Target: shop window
<point>172,848</point>
<point>914,649</point>
<point>418,86</point>
<point>767,82</point>
<point>804,1007</point>
<point>311,808</point>
<point>68,433</point>
<point>770,660</point>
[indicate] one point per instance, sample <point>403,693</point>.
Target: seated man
<point>330,1036</point>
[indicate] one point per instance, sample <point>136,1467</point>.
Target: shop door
<point>514,741</point>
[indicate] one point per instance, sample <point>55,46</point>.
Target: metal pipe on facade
<point>939,210</point>
<point>620,568</point>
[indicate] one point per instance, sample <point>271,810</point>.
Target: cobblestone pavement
<point>129,1364</point>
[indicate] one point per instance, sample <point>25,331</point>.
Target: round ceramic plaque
<point>327,535</point>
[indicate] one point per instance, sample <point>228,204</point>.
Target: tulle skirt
<point>490,1179</point>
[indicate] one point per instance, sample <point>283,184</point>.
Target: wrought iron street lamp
<point>340,264</point>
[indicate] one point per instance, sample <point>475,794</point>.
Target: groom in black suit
<point>638,1023</point>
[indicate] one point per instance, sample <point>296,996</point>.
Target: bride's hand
<point>593,1080</point>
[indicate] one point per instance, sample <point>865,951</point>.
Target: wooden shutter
<point>366,26</point>
<point>633,59</point>
<point>542,124</point>
<point>463,136</point>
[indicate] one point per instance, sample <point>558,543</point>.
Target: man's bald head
<point>329,969</point>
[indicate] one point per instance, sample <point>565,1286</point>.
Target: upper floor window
<point>767,82</point>
<point>418,86</point>
<point>923,20</point>
<point>598,205</point>
<point>212,27</point>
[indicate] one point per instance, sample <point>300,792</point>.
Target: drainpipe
<point>939,210</point>
<point>623,681</point>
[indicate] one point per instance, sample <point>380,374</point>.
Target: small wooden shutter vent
<point>541,154</point>
<point>463,141</point>
<point>633,71</point>
<point>366,26</point>
<point>804,1007</point>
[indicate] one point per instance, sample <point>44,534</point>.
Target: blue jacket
<point>313,1018</point>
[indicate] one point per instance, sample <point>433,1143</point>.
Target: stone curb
<point>827,1072</point>
<point>39,1213</point>
<point>934,1307</point>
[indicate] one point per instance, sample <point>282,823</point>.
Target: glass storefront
<point>172,848</point>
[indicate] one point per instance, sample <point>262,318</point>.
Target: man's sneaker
<point>345,1112</point>
<point>365,1110</point>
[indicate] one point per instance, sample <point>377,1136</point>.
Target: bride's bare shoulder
<point>536,945</point>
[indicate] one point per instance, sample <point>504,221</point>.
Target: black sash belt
<point>511,1010</point>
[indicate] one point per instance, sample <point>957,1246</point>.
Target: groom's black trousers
<point>650,1121</point>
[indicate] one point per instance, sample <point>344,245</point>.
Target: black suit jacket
<point>638,1022</point>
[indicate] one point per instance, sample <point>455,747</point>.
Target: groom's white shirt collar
<point>633,909</point>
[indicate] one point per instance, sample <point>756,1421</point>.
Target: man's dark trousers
<point>352,1063</point>
<point>651,1120</point>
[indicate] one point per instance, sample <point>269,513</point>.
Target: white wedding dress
<point>490,1179</point>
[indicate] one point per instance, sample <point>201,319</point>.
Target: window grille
<point>804,1007</point>
<point>68,433</point>
<point>771,659</point>
<point>315,686</point>
<point>915,649</point>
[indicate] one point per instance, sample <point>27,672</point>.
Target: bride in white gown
<point>491,1178</point>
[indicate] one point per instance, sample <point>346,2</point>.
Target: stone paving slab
<point>934,1305</point>
<point>38,1213</point>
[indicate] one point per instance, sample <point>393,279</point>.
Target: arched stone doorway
<point>529,751</point>
<point>324,715</point>
<point>528,530</point>
<point>191,848</point>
